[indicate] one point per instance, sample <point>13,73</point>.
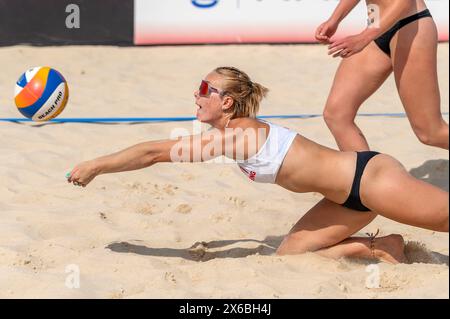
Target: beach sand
<point>188,230</point>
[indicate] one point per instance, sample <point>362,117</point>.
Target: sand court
<point>188,230</point>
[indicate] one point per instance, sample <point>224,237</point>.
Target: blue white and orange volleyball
<point>41,93</point>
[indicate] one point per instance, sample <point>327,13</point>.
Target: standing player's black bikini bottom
<point>384,40</point>
<point>354,201</point>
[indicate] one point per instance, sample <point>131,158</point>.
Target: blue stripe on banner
<point>53,80</point>
<point>22,81</point>
<point>180,119</point>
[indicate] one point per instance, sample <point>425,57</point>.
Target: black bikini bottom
<point>354,200</point>
<point>384,40</point>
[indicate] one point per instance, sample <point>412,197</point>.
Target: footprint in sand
<point>147,209</point>
<point>222,217</point>
<point>119,294</point>
<point>170,277</point>
<point>187,176</point>
<point>30,261</point>
<point>237,201</point>
<point>136,186</point>
<point>183,209</point>
<point>169,189</point>
<point>391,281</point>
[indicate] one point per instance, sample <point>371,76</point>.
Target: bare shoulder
<point>248,123</point>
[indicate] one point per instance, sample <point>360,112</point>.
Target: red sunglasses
<point>206,89</point>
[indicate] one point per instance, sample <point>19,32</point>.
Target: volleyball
<point>41,93</point>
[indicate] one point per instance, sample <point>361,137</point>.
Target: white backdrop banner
<point>250,21</point>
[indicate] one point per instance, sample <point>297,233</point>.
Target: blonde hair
<point>246,94</point>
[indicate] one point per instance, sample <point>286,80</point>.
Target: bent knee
<point>425,137</point>
<point>430,134</point>
<point>338,113</point>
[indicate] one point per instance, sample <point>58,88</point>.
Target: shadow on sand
<point>204,251</point>
<point>417,252</point>
<point>434,172</point>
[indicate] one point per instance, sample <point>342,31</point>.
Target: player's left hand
<point>347,46</point>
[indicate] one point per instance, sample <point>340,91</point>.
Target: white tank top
<point>264,165</point>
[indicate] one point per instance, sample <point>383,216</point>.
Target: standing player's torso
<point>414,7</point>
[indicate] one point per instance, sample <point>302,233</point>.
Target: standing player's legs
<point>357,78</point>
<point>414,56</point>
